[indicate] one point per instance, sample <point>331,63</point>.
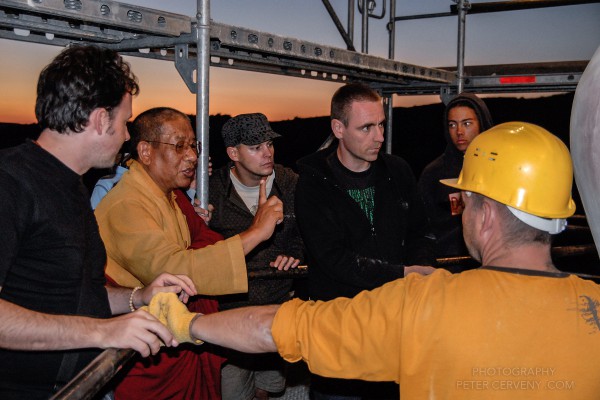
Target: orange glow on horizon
<point>232,92</point>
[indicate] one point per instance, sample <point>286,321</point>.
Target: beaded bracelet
<point>131,306</point>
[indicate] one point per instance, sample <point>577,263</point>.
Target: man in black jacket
<point>234,191</point>
<point>360,216</point>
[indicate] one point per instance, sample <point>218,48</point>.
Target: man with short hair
<point>516,327</point>
<point>359,214</point>
<point>234,193</point>
<point>354,204</point>
<point>54,304</point>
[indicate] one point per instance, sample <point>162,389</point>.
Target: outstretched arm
<point>23,329</point>
<point>245,329</point>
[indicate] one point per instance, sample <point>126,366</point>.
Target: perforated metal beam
<point>129,28</point>
<point>103,14</point>
<point>242,39</point>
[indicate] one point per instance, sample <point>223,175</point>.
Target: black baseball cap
<point>248,129</point>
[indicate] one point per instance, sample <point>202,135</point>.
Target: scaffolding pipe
<point>446,262</point>
<point>424,16</point>
<point>338,25</point>
<point>388,102</point>
<point>515,5</point>
<point>392,30</point>
<point>95,375</point>
<point>202,120</point>
<point>365,27</point>
<point>499,6</point>
<point>351,20</point>
<point>460,62</point>
<point>390,113</point>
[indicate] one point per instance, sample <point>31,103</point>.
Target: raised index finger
<point>262,192</point>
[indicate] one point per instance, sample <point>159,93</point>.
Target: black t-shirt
<point>52,258</point>
<point>360,186</point>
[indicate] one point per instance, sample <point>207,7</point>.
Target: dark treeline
<point>417,131</point>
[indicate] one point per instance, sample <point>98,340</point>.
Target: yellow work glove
<point>167,308</point>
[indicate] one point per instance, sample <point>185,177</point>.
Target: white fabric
<point>550,225</point>
<point>249,194</point>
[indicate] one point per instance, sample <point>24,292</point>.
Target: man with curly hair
<point>54,304</point>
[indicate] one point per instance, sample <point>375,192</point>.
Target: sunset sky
<point>552,34</point>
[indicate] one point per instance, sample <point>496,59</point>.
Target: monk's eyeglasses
<point>182,146</point>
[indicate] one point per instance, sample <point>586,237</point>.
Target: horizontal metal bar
<point>238,38</point>
<point>424,16</point>
<point>514,5</point>
<point>498,6</point>
<point>234,47</point>
<point>33,37</point>
<point>300,68</point>
<point>107,13</point>
<point>558,252</point>
<point>62,28</point>
<point>554,81</point>
<point>95,375</point>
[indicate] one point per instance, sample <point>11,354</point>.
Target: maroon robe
<point>188,371</point>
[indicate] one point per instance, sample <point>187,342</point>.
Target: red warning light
<point>511,80</point>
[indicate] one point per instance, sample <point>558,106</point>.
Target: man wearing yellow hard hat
<point>515,328</point>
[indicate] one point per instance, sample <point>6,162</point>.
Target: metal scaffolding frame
<point>195,44</point>
<point>145,32</point>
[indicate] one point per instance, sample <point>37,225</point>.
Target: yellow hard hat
<point>521,165</point>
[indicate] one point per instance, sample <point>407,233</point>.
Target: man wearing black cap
<point>234,193</point>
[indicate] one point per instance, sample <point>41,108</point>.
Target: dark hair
<point>79,80</point>
<point>149,125</point>
<point>346,95</point>
<point>462,103</point>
